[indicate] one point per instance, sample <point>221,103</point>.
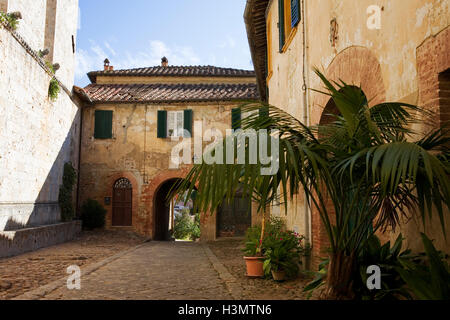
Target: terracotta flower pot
<point>254,266</point>
<point>279,275</point>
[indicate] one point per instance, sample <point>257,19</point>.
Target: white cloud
<point>92,59</point>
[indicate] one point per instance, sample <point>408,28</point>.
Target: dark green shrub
<point>93,215</point>
<point>65,193</point>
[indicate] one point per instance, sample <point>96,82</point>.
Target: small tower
<point>164,62</point>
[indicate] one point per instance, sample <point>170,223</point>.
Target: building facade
<point>394,50</point>
<point>37,135</point>
<point>132,120</point>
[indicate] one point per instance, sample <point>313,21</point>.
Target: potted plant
<point>253,251</point>
<point>282,251</point>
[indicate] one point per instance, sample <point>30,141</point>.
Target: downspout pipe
<point>306,109</point>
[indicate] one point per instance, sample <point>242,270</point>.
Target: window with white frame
<point>175,123</point>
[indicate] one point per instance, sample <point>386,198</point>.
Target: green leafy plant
<point>388,258</point>
<point>186,227</point>
<point>429,280</point>
<point>53,88</point>
<point>254,243</point>
<point>93,215</point>
<point>282,252</point>
<point>11,20</point>
<point>369,164</point>
<point>252,247</point>
<point>65,192</point>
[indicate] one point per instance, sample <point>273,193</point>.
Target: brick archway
<point>148,195</point>
<point>355,66</point>
<point>433,63</point>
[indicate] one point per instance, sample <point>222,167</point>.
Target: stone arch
<point>148,195</point>
<point>355,66</point>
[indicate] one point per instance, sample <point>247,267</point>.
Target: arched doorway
<point>122,203</point>
<point>166,210</point>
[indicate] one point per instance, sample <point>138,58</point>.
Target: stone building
<point>129,118</point>
<point>395,50</point>
<point>37,135</point>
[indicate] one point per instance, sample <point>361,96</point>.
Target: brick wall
<point>444,97</point>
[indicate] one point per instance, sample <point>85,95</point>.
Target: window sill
<point>289,39</point>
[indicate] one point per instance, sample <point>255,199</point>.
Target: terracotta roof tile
<point>175,71</point>
<point>162,93</point>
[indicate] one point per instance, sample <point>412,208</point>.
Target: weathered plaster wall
<point>384,62</point>
<point>136,153</point>
<point>66,24</point>
<point>37,136</point>
<point>32,25</point>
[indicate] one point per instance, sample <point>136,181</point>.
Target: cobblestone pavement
<point>229,253</point>
<point>32,270</point>
<point>154,271</point>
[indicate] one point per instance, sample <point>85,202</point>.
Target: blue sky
<point>138,33</point>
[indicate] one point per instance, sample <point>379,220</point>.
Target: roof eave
<point>259,69</point>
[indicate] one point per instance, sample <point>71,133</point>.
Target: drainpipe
<point>306,111</point>
<point>77,205</point>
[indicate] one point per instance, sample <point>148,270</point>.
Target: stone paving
<point>154,271</point>
<point>33,270</point>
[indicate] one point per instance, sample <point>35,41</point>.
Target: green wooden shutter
<point>295,12</point>
<point>236,118</point>
<point>264,112</point>
<point>188,121</point>
<point>281,23</point>
<point>103,124</point>
<point>162,124</point>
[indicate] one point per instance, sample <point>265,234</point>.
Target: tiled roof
<point>163,93</point>
<point>174,71</point>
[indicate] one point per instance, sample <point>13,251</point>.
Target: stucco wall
<point>66,23</point>
<point>32,25</point>
<point>37,136</point>
<point>384,62</point>
<point>136,153</point>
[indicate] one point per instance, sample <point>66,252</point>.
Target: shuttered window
<point>295,12</point>
<point>236,118</point>
<point>281,23</point>
<point>103,124</point>
<point>289,18</point>
<point>188,118</point>
<point>172,123</point>
<point>162,124</point>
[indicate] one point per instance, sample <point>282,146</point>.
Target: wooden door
<point>122,203</point>
<point>234,218</point>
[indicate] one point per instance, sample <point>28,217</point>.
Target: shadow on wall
<point>45,209</point>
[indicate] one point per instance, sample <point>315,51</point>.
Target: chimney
<point>164,62</point>
<point>107,66</point>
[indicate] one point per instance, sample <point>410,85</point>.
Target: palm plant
<point>364,164</point>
